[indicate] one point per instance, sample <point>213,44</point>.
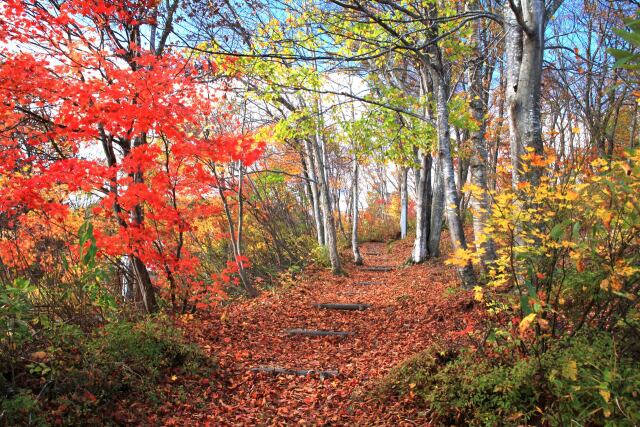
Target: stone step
<point>348,307</point>
<point>377,268</point>
<point>317,333</point>
<point>302,372</point>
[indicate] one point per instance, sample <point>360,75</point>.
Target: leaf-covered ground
<point>414,305</point>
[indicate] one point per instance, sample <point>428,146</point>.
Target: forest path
<point>408,309</point>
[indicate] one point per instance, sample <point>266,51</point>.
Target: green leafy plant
<point>590,380</point>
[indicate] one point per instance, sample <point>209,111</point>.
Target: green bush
<point>320,255</point>
<point>20,409</point>
<point>131,355</point>
<point>591,380</point>
<point>84,371</point>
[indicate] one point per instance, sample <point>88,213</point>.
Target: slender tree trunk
<point>437,207</point>
<point>305,195</point>
<point>357,258</point>
<point>423,210</point>
<point>404,201</point>
<point>452,204</point>
<point>339,215</point>
<point>499,126</point>
<point>146,288</point>
<point>315,196</point>
<point>325,204</point>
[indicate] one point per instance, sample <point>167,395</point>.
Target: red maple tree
<point>87,110</point>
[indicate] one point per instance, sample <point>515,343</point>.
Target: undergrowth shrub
<point>126,352</point>
<point>559,342</point>
<point>568,251</point>
<point>320,255</point>
<point>590,380</point>
<point>65,374</point>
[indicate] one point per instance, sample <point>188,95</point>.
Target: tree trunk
<point>357,258</point>
<point>139,269</point>
<point>423,210</point>
<point>452,203</point>
<point>480,157</point>
<point>634,127</point>
<point>315,197</point>
<point>437,208</point>
<point>325,205</point>
<point>144,282</point>
<point>404,201</point>
<point>524,49</point>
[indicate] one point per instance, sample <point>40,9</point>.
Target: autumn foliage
<point>184,183</point>
<point>95,127</point>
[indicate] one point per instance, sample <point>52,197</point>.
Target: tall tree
<point>525,23</point>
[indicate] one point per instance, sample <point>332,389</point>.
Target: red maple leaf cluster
<point>87,112</point>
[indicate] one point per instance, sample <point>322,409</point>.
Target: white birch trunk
<point>423,210</point>
<point>524,33</point>
<point>437,207</point>
<point>452,204</point>
<point>357,258</point>
<point>315,198</point>
<point>325,204</point>
<point>480,201</point>
<point>404,202</point>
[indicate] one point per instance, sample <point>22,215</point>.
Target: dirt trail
<point>408,309</point>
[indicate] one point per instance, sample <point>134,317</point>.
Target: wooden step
<point>302,372</point>
<point>348,307</point>
<point>369,283</point>
<point>317,333</point>
<point>377,268</point>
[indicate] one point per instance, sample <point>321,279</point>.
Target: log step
<point>303,372</point>
<point>350,307</point>
<point>377,268</point>
<point>369,283</point>
<point>317,333</point>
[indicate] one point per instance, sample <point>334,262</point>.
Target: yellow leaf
<point>606,218</point>
<point>572,195</point>
<point>174,377</point>
<point>477,293</point>
<point>570,370</point>
<point>526,322</point>
<point>606,395</point>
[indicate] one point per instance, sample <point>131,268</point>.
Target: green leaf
<point>633,38</point>
<point>557,231</point>
<point>525,306</point>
